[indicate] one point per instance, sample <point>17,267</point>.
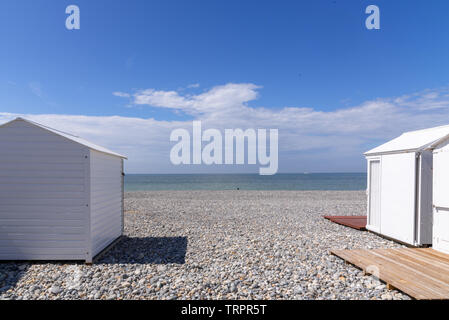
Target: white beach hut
<point>399,186</point>
<point>61,197</point>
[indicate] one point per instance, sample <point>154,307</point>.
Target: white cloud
<point>121,94</point>
<point>219,99</point>
<point>309,139</point>
<point>164,99</point>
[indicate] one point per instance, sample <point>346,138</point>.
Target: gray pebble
<point>55,290</point>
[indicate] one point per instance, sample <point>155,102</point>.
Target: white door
<point>398,210</point>
<point>441,200</point>
<point>374,196</point>
<point>441,230</point>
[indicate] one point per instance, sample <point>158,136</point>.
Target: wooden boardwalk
<point>355,222</point>
<point>422,273</point>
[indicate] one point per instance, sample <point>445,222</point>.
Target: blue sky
<point>315,57</point>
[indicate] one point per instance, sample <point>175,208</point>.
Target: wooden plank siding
<point>422,273</point>
<point>42,203</point>
<point>105,199</point>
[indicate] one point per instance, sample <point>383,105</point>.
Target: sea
<point>280,181</point>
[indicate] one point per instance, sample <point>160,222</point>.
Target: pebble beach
<point>216,245</point>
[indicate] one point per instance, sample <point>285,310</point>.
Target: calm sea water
<point>285,181</point>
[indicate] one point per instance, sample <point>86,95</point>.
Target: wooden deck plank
<point>420,273</point>
<point>405,279</point>
<point>402,278</point>
<point>364,258</point>
<point>355,222</point>
<point>422,264</point>
<point>442,257</point>
<point>392,277</point>
<point>437,264</point>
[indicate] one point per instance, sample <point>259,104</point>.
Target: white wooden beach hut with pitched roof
<point>61,197</point>
<point>400,186</point>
